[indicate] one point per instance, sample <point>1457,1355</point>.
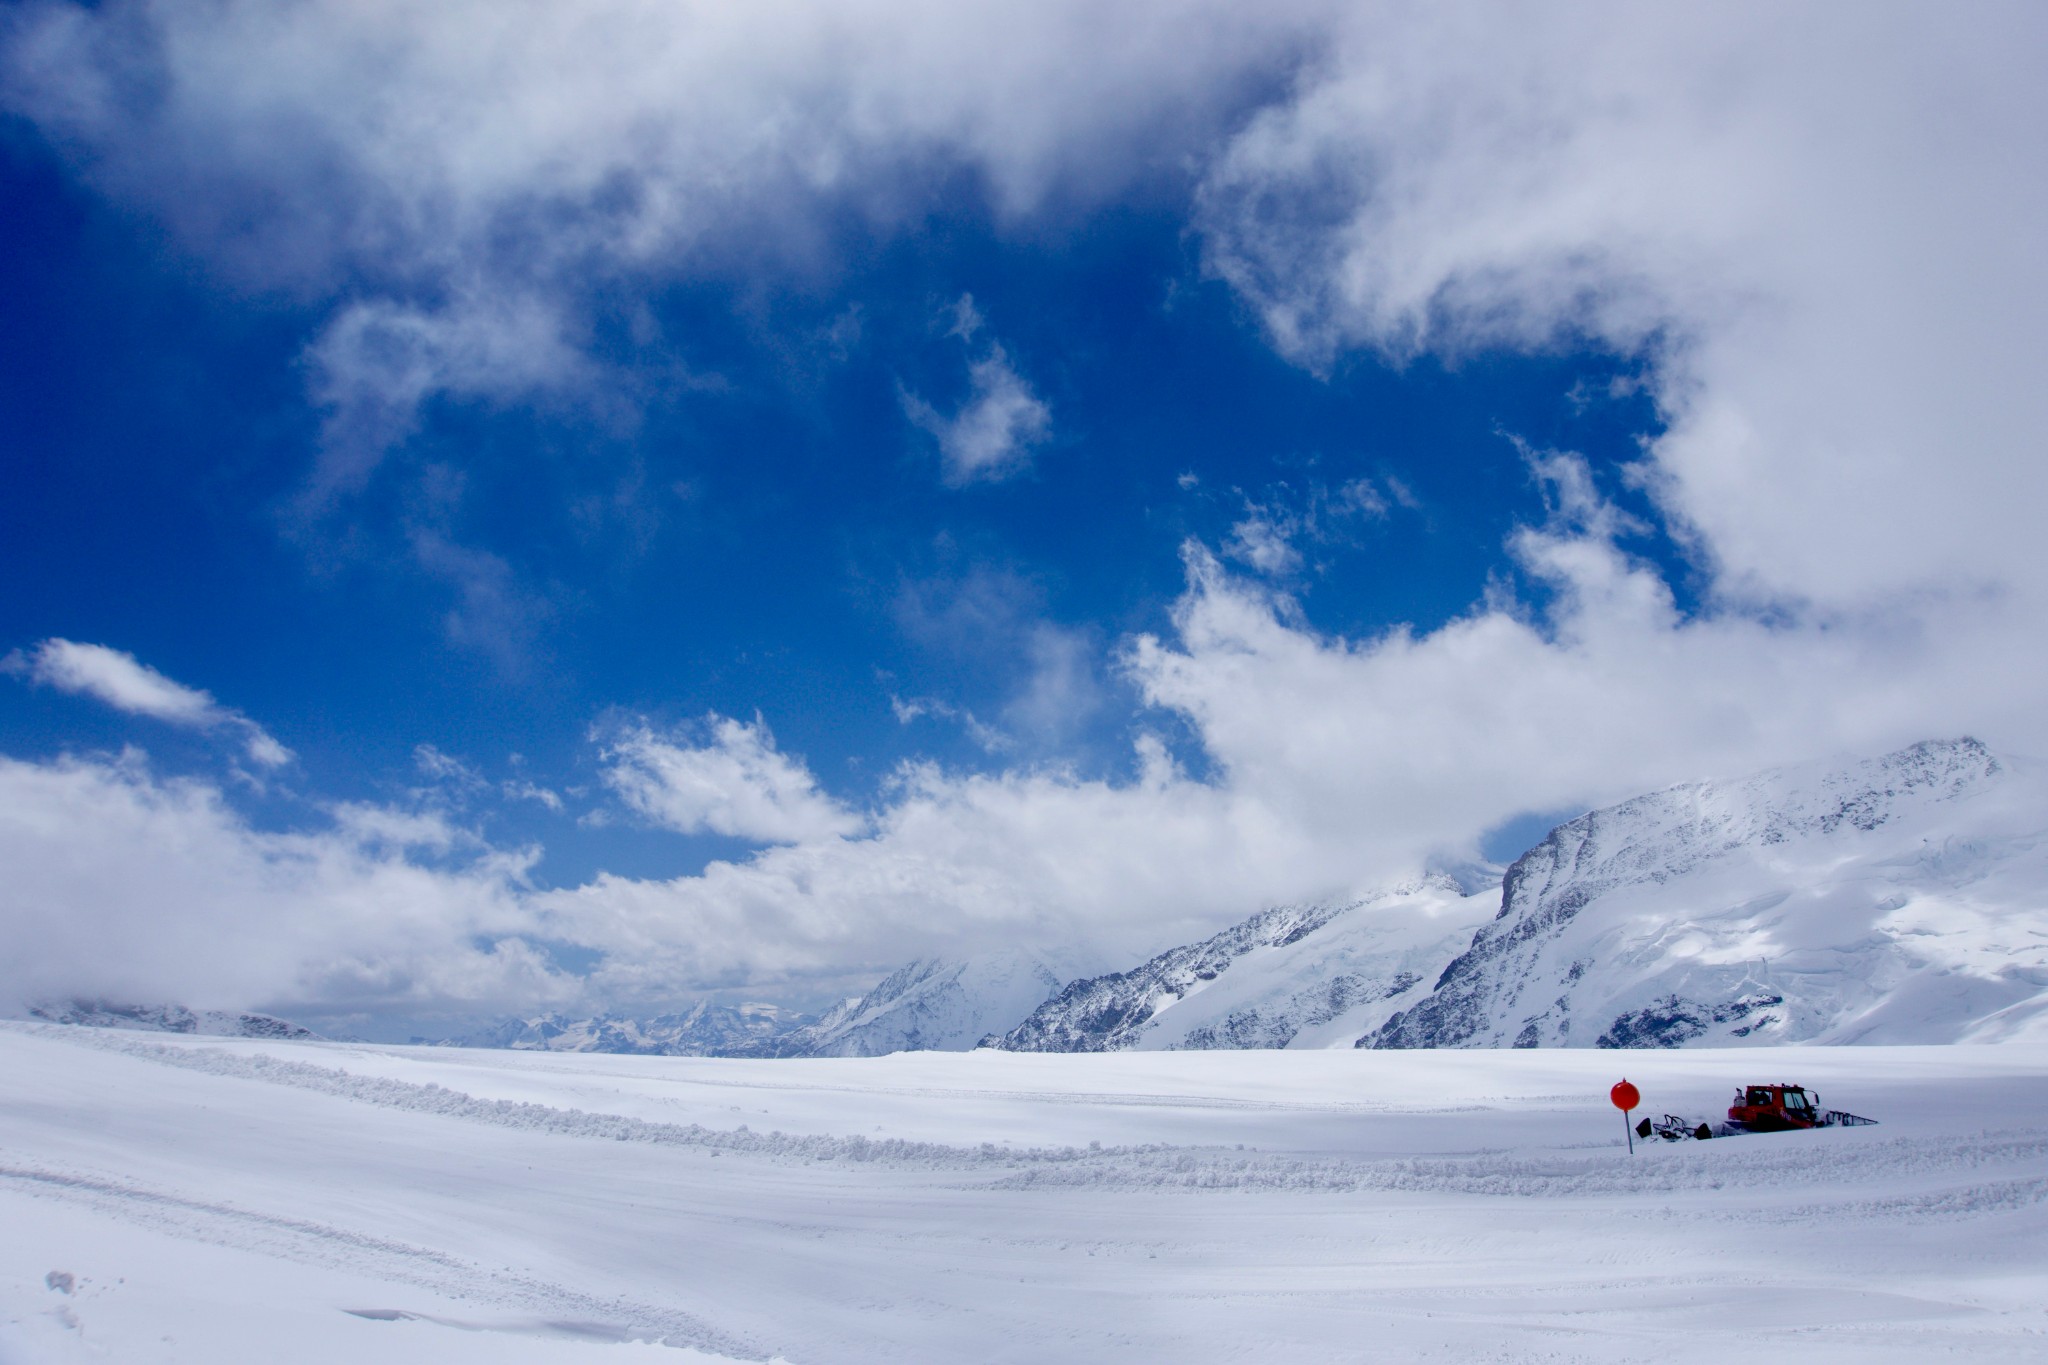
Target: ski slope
<point>172,1198</point>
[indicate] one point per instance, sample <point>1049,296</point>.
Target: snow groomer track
<point>208,1200</point>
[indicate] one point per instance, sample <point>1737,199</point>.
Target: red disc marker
<point>1625,1096</point>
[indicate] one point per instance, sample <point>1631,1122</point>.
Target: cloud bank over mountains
<point>1810,230</point>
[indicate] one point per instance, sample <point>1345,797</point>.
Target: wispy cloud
<point>125,683</point>
<point>991,435</point>
<point>452,181</point>
<point>1272,535</point>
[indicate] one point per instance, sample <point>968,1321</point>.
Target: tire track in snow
<point>432,1098</point>
<point>557,1310</point>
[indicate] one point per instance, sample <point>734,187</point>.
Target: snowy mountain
<point>167,1019</point>
<point>1899,900</point>
<point>931,1005</point>
<point>704,1030</point>
<point>1902,899</point>
<point>1294,976</point>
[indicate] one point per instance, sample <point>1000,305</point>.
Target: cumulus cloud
<point>1813,222</point>
<point>128,885</point>
<point>1409,743</point>
<point>735,782</point>
<point>1807,221</point>
<point>125,683</point>
<point>1335,765</point>
<point>1332,765</point>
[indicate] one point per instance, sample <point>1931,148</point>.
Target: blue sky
<point>720,503</point>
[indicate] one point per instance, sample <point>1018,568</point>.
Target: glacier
<point>176,1199</point>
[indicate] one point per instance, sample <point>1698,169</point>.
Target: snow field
<point>224,1200</point>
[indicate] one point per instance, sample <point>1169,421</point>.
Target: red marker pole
<point>1626,1097</point>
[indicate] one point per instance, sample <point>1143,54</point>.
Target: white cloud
<point>1265,543</point>
<point>447,770</point>
<point>1813,222</point>
<point>377,361</point>
<point>1809,221</point>
<point>126,885</point>
<point>120,681</point>
<point>1060,692</point>
<point>523,789</point>
<point>1271,535</point>
<point>1333,764</point>
<point>453,177</point>
<point>123,682</point>
<point>1410,744</point>
<point>736,783</point>
<point>991,740</point>
<point>991,436</point>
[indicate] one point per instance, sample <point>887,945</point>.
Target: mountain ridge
<point>1656,920</point>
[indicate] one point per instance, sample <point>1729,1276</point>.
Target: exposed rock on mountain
<point>1294,976</point>
<point>1901,899</point>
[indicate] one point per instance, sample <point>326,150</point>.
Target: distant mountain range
<point>1903,899</point>
<point>703,1030</point>
<point>167,1019</point>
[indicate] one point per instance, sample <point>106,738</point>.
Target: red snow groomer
<point>1784,1108</point>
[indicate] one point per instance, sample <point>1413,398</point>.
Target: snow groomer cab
<point>1775,1109</point>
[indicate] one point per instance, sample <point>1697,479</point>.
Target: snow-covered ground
<point>223,1200</point>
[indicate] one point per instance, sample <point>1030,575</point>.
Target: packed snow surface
<point>179,1198</point>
